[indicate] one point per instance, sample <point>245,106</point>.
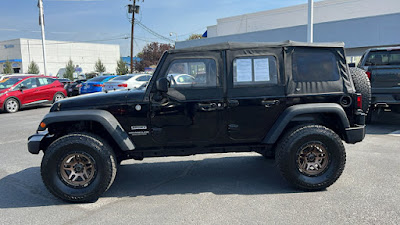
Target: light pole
<point>310,26</point>
<point>41,22</point>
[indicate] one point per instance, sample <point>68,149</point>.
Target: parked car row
<point>18,91</point>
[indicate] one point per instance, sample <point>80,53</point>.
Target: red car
<point>20,91</point>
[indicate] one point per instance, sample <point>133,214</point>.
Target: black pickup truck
<point>295,101</point>
<point>383,68</point>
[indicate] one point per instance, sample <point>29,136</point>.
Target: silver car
<point>130,81</point>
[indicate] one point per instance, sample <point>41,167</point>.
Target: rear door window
<point>254,70</point>
<point>43,81</point>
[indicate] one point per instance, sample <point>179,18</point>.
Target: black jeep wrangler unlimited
<point>292,101</point>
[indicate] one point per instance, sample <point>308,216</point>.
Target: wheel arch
<point>316,113</point>
<point>16,98</point>
<point>100,122</point>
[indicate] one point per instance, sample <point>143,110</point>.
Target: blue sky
<point>106,21</point>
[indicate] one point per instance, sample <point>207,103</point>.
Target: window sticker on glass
<point>243,70</point>
<point>261,69</point>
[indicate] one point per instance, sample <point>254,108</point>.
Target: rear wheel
<point>311,157</point>
<point>78,167</point>
<point>11,105</point>
<point>58,97</point>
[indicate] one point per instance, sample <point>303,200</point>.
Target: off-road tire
<point>86,144</point>
<point>287,154</point>
<point>363,86</point>
<point>15,105</point>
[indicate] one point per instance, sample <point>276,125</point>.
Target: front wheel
<point>78,167</point>
<point>11,105</point>
<point>311,157</point>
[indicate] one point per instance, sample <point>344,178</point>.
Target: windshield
<point>8,82</point>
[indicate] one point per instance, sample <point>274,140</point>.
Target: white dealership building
<point>360,24</point>
<point>20,52</point>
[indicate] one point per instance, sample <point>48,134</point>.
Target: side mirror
<point>23,88</point>
<point>162,85</point>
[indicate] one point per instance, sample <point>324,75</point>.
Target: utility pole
<point>310,26</point>
<point>41,22</point>
<point>134,9</point>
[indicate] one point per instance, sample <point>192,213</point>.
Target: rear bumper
<point>35,140</point>
<point>355,134</point>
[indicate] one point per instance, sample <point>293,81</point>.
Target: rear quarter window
<point>315,65</point>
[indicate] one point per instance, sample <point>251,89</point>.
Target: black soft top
<point>244,45</point>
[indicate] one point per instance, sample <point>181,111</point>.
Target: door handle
<point>269,103</point>
<point>208,106</point>
<point>233,103</point>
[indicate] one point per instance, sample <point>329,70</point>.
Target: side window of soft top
<point>254,70</point>
<point>187,73</point>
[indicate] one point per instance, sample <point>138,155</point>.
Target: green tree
<point>69,70</point>
<point>99,67</point>
<point>195,36</point>
<point>8,68</point>
<point>33,68</point>
<point>121,69</point>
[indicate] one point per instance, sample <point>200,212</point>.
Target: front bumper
<point>35,140</point>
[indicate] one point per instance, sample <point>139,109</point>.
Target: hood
<point>98,100</point>
<point>4,90</point>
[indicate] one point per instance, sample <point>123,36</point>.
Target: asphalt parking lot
<point>232,188</point>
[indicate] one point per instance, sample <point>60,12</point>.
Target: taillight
<point>359,101</point>
<point>122,85</point>
<point>368,74</point>
<point>98,85</point>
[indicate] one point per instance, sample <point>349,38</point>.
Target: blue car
<point>95,84</point>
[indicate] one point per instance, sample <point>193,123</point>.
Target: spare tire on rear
<point>363,86</point>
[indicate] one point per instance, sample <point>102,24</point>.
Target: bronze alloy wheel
<point>312,159</point>
<point>77,170</point>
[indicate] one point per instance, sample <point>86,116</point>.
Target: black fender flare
<point>105,118</point>
<point>287,116</point>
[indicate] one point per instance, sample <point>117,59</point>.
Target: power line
<point>153,32</point>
